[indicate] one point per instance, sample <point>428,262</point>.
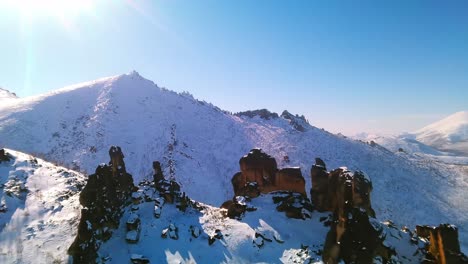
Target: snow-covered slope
<point>285,236</point>
<point>39,210</point>
<point>5,94</point>
<point>449,134</point>
<point>261,236</point>
<point>409,145</point>
<point>200,145</point>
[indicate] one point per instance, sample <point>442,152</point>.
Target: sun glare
<point>51,8</point>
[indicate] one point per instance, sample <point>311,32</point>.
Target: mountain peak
<point>450,133</point>
<point>447,125</point>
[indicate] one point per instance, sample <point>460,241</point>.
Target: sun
<point>62,9</point>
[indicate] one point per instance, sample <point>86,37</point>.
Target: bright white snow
<point>42,210</point>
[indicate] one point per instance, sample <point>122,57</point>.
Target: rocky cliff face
<point>260,174</point>
<point>106,191</point>
<point>443,246</point>
<point>331,190</point>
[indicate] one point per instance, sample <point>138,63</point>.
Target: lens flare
<point>50,8</point>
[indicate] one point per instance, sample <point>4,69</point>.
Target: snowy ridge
<point>406,143</point>
<point>40,210</point>
<point>450,133</point>
<point>199,145</point>
<point>5,94</point>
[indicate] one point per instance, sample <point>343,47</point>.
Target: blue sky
<point>348,66</point>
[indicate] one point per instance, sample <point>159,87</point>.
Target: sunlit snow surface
<point>236,246</point>
<point>42,210</point>
<point>76,126</point>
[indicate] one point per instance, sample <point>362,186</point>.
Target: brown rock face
<point>257,166</point>
<point>329,189</point>
<point>319,190</point>
<point>443,246</point>
<point>260,174</point>
<point>352,237</point>
<point>116,161</point>
<point>289,179</point>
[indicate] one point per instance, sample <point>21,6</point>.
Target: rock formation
<point>262,113</point>
<point>103,197</point>
<point>443,246</point>
<point>158,174</point>
<point>355,235</point>
<point>319,190</point>
<point>297,122</point>
<point>329,189</point>
<point>4,155</point>
<point>260,174</point>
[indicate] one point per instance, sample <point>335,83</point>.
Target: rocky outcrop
<point>355,235</point>
<point>262,113</point>
<point>260,174</point>
<point>158,174</point>
<point>4,155</point>
<point>352,236</point>
<point>330,189</point>
<point>443,246</point>
<point>293,205</point>
<point>319,190</point>
<point>234,209</point>
<point>297,122</point>
<point>103,197</point>
<point>289,179</point>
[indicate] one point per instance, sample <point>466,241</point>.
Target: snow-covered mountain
<point>199,145</point>
<point>39,209</point>
<point>406,143</point>
<point>448,134</point>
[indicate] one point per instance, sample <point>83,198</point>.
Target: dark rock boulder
<point>4,155</point>
<point>158,174</point>
<point>103,197</point>
<point>294,205</point>
<point>262,113</point>
<point>319,190</point>
<point>235,210</point>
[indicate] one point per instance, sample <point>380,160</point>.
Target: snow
<point>199,145</point>
<point>237,242</point>
<point>42,217</point>
<point>450,133</point>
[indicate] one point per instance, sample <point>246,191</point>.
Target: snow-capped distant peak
<point>451,124</point>
<point>450,133</point>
